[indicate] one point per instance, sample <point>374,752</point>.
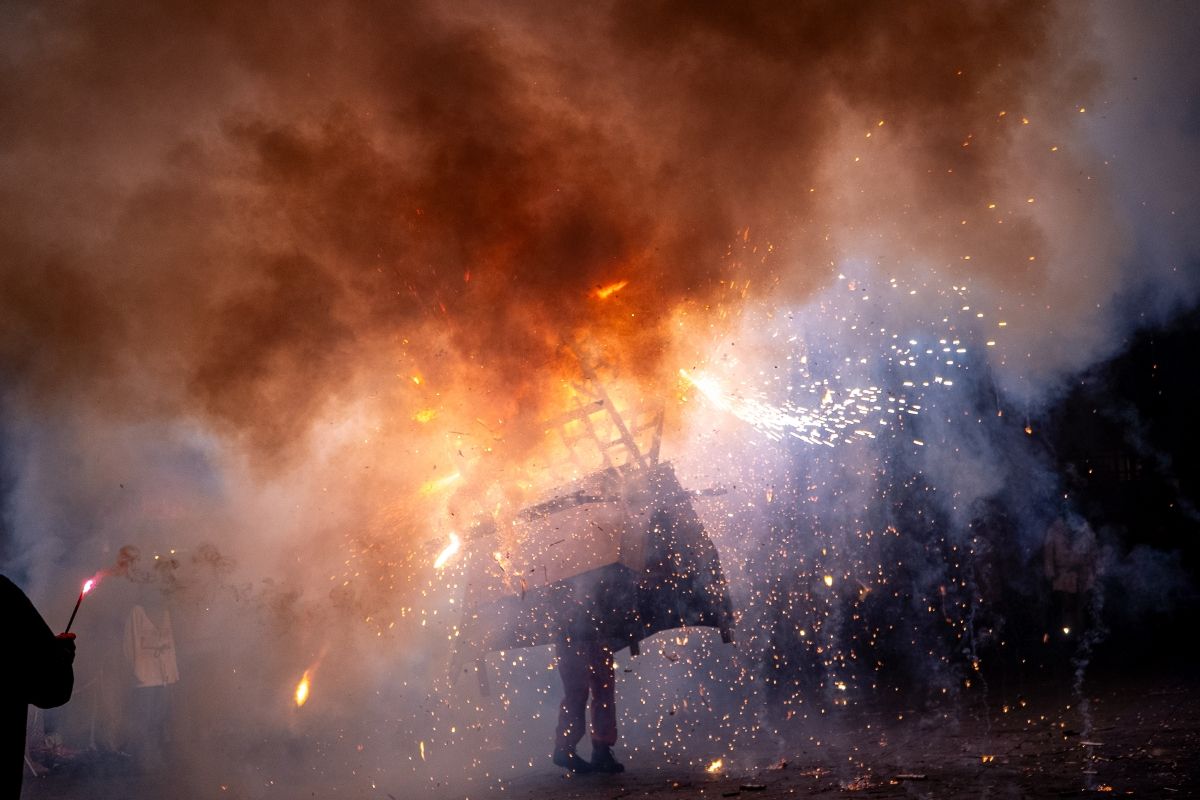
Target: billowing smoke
<point>248,219</point>
<point>301,288</point>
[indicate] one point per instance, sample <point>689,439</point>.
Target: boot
<point>568,759</point>
<point>603,761</point>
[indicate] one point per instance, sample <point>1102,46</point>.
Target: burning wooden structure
<point>617,555</point>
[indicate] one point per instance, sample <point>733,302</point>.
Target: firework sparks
<point>830,421</point>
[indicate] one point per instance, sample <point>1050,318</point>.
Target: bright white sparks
<point>831,419</point>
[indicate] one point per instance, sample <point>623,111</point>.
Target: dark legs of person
<point>151,711</point>
<point>602,683</point>
<point>573,669</point>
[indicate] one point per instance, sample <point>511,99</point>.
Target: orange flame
<point>716,767</point>
<point>89,584</point>
<point>605,292</point>
<point>302,689</point>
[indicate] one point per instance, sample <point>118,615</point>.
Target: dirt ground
<point>1143,741</point>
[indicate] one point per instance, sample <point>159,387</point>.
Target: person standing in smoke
<point>38,671</point>
<point>1070,558</point>
<point>150,651</point>
<point>586,667</point>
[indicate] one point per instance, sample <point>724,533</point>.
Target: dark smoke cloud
<point>244,213</point>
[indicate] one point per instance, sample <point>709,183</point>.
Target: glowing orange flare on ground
<point>302,689</point>
<point>605,292</point>
<point>716,767</point>
<point>448,552</point>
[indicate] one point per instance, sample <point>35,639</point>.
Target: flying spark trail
<point>828,422</point>
<point>842,401</point>
<point>448,552</point>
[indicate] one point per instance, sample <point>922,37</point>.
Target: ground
<point>1143,741</point>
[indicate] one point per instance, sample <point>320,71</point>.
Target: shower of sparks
<point>829,421</point>
<point>842,401</point>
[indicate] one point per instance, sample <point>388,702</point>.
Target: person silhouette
<point>38,671</point>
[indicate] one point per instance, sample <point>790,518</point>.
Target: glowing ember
<point>716,767</point>
<point>422,747</point>
<point>302,689</point>
<point>829,580</point>
<point>605,292</point>
<point>448,551</point>
<point>425,415</point>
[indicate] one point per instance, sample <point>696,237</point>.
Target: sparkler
<point>88,585</point>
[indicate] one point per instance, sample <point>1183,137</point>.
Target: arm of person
<point>52,684</point>
<point>43,659</point>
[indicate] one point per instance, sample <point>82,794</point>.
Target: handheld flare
<point>88,585</point>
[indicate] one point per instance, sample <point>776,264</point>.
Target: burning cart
<point>617,555</point>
